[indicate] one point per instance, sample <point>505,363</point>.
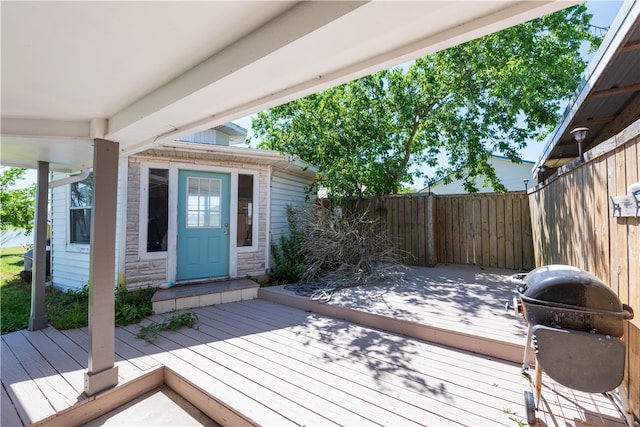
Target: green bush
<point>133,306</point>
<point>288,255</point>
<point>65,309</point>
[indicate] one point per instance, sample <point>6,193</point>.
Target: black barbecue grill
<point>575,324</point>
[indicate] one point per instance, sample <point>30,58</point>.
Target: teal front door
<point>203,225</point>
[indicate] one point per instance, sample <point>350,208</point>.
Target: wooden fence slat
<point>500,227</point>
<point>476,232</point>
<point>449,238</point>
<point>423,231</point>
<point>517,233</point>
<point>614,256</point>
<point>493,237</point>
<point>468,242</point>
<point>508,231</point>
<point>484,221</point>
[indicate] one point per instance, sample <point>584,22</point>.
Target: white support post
<point>38,319</point>
<point>102,373</point>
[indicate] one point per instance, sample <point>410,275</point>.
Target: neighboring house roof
<point>511,175</point>
<point>608,98</point>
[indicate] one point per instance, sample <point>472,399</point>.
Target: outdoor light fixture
<point>526,182</point>
<point>541,171</point>
<point>579,134</point>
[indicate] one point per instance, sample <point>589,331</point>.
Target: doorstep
<point>203,294</point>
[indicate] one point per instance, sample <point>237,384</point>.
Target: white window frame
<point>143,210</point>
<point>256,213</point>
<point>69,245</point>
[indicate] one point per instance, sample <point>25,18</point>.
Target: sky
<point>604,12</point>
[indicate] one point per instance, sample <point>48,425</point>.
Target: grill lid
<point>564,284</point>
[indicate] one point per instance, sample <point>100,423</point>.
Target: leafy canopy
<point>16,204</point>
<point>489,95</point>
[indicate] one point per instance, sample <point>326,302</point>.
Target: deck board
<point>8,413</point>
<point>69,369</point>
<point>356,377</point>
<point>242,375</point>
<point>60,394</point>
<point>461,298</point>
<point>30,403</point>
<point>325,385</point>
<point>281,380</point>
<point>418,380</point>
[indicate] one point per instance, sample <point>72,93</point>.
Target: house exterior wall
<point>69,262</point>
<point>510,174</point>
<point>143,271</point>
<point>286,189</point>
<point>252,262</point>
<point>138,272</point>
<point>275,190</point>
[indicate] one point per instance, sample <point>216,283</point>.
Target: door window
<point>204,202</point>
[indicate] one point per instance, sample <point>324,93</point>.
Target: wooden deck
<point>263,363</point>
<point>455,305</point>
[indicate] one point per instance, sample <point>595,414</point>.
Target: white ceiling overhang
<point>143,73</point>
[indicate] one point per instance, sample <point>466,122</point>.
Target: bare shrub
<point>345,250</point>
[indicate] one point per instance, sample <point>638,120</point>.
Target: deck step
<point>203,295</point>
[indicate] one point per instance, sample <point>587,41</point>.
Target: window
<point>245,210</point>
<point>204,202</point>
<point>157,208</point>
<point>80,211</point>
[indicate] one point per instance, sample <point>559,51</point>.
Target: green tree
<point>16,204</point>
<point>489,95</point>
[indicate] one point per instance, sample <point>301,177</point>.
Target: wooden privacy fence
<point>576,224</point>
<point>491,230</point>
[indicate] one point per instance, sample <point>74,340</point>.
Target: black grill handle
<point>626,313</point>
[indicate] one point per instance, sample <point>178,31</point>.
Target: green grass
<point>15,295</point>
<point>64,309</point>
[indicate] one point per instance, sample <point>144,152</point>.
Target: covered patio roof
<point>608,98</point>
<point>141,73</point>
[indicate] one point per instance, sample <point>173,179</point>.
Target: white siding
<point>511,175</point>
<point>286,190</point>
<point>69,262</point>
